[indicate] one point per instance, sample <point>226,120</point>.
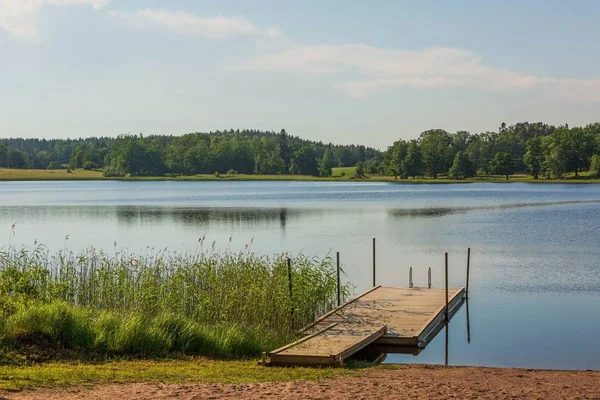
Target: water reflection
<point>447,343</point>
<point>468,321</point>
<point>190,216</point>
<point>206,216</point>
<point>443,211</point>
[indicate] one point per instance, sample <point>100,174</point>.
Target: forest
<point>538,149</point>
<point>244,152</point>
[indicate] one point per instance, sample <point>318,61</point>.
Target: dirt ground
<point>404,382</point>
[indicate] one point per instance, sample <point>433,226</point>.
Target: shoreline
<point>31,175</point>
<point>415,381</point>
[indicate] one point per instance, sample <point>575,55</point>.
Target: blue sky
<point>340,71</point>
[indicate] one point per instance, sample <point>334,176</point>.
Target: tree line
<point>246,151</point>
<point>535,148</point>
<point>539,149</point>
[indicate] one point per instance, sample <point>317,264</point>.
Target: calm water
<point>535,288</point>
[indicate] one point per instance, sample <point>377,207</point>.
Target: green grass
<point>345,172</point>
<point>191,370</point>
<point>7,174</point>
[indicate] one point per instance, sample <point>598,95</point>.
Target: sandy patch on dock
<point>410,381</point>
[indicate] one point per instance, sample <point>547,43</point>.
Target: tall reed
<point>239,291</point>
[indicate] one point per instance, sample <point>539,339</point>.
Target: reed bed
<point>227,304</point>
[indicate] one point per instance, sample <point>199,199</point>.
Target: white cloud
<point>373,69</point>
<point>191,24</point>
<point>18,17</point>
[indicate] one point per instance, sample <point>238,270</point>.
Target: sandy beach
<point>399,382</point>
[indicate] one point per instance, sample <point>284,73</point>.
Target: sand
<point>403,382</point>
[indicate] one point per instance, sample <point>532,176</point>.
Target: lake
<point>535,266</point>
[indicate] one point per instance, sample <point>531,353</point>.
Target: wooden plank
<point>330,346</point>
<point>405,311</point>
<point>439,324</point>
<point>431,322</point>
<point>363,343</point>
<point>309,326</point>
<point>297,342</point>
<point>284,359</point>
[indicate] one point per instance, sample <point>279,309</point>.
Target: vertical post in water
<point>468,267</point>
<point>410,282</point>
<point>446,311</point>
<point>373,262</point>
<point>429,278</point>
<point>289,265</point>
<point>339,298</point>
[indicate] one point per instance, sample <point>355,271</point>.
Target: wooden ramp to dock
<point>384,315</point>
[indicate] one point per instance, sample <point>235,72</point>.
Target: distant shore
<point>339,175</point>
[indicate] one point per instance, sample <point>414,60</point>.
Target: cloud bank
<point>190,24</point>
<point>379,69</point>
<point>18,17</point>
<point>357,70</point>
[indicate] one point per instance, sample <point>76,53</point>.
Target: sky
<point>367,72</point>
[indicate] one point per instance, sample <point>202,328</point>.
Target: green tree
<point>325,167</point>
<point>503,164</point>
<point>54,165</point>
<point>285,152</point>
<point>534,157</point>
<point>304,162</point>
<point>460,141</point>
<point>360,171</point>
<point>595,165</point>
<point>394,159</point>
<point>16,159</point>
<point>580,147</point>
<point>462,167</point>
<point>556,153</point>
<point>437,151</point>
<point>4,152</point>
<point>413,162</point>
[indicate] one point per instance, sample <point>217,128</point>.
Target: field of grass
<point>196,370</point>
<point>345,172</point>
<point>338,174</point>
<point>7,174</point>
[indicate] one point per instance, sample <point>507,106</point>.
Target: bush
<point>55,165</point>
<point>88,165</point>
<point>54,324</point>
<point>217,174</point>
<point>111,172</point>
<point>232,172</point>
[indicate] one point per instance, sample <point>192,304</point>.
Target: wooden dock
<point>384,316</point>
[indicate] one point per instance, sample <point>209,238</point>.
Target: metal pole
<point>339,297</point>
<point>373,262</point>
<point>429,278</point>
<point>468,268</point>
<point>289,265</point>
<point>410,282</point>
<point>446,311</point>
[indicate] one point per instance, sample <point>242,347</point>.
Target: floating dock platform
<point>403,317</point>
